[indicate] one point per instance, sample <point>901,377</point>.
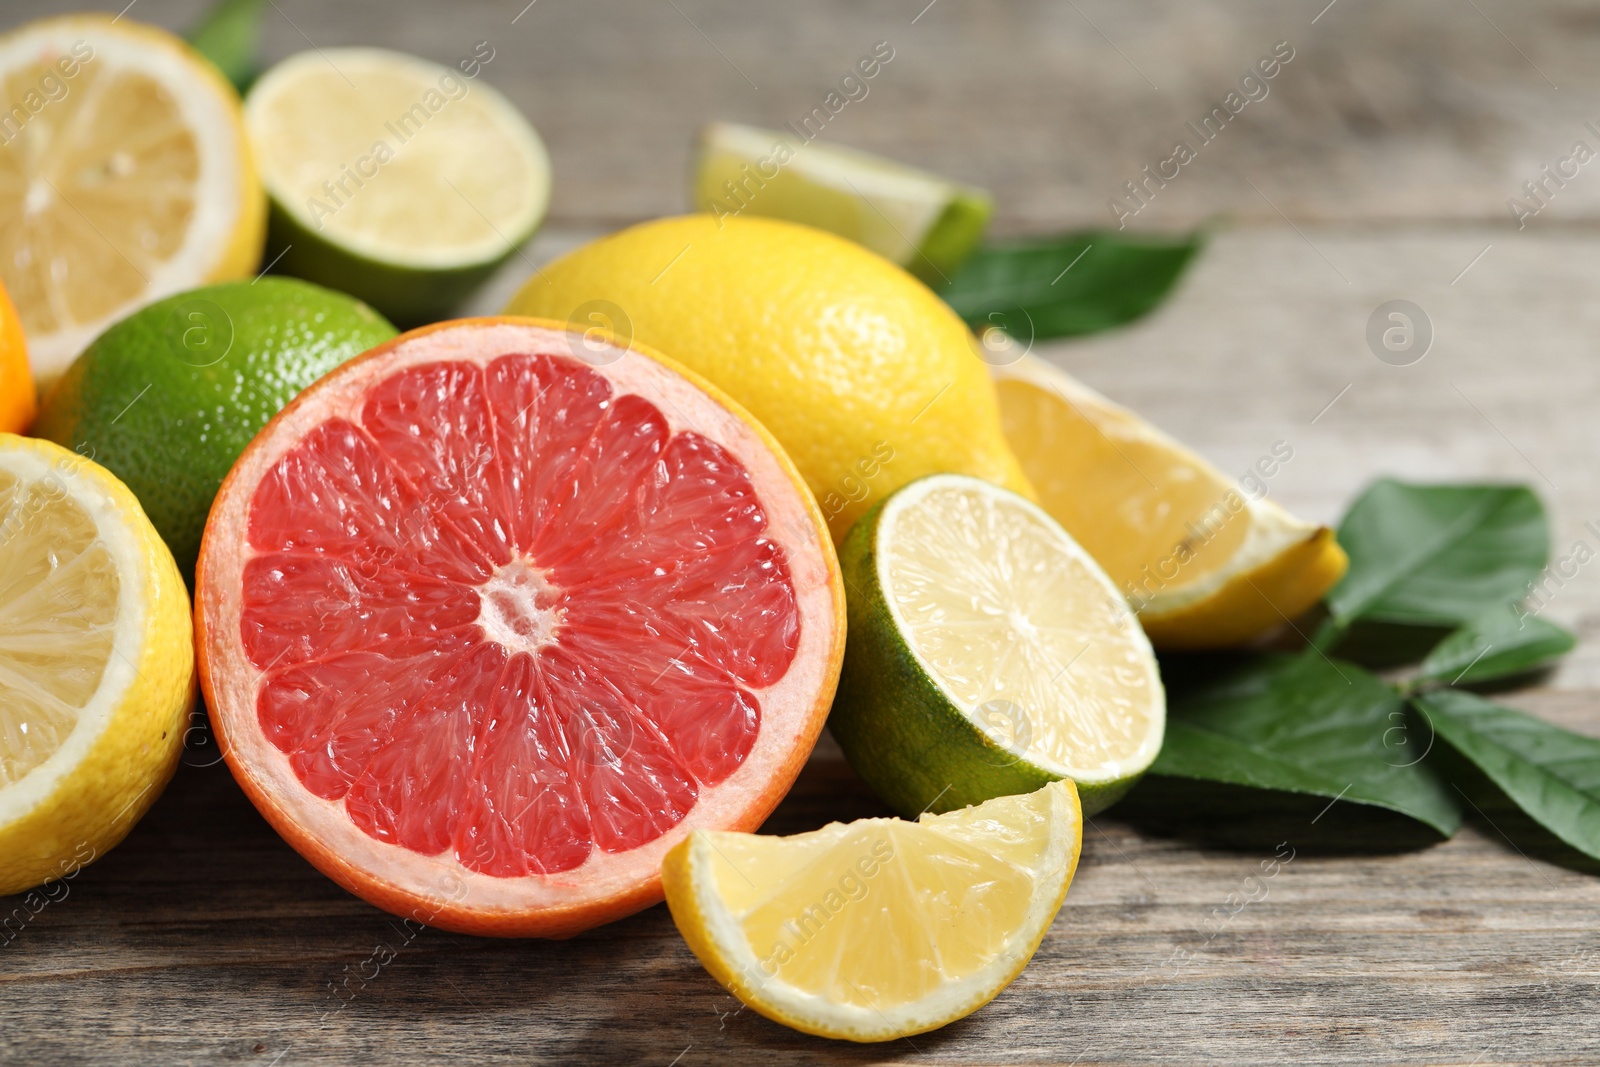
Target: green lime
<point>168,397</point>
<point>919,220</point>
<point>987,655</point>
<point>392,178</point>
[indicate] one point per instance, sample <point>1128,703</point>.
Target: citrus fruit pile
<point>518,625</point>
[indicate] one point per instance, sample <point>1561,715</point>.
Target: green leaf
<point>1438,554</point>
<point>1551,773</point>
<point>1306,724</point>
<point>1502,642</point>
<point>1076,283</point>
<point>229,35</point>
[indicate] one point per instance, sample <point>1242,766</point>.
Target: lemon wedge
<point>879,928</point>
<point>1206,562</point>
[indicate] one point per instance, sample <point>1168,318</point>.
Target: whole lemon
<point>867,379</point>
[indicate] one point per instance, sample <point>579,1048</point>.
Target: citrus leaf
<point>1551,773</point>
<point>1306,724</point>
<point>229,35</point>
<point>1438,554</point>
<point>1497,644</point>
<point>1075,283</point>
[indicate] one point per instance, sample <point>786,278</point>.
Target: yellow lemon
<point>1205,562</point>
<point>97,670</point>
<point>867,379</point>
<point>879,928</point>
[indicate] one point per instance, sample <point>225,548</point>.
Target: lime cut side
<point>395,179</point>
<point>988,654</point>
<point>923,222</point>
<point>878,928</point>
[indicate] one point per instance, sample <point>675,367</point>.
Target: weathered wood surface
<point>1392,141</point>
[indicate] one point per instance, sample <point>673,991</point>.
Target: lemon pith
<point>97,668</point>
<point>879,928</point>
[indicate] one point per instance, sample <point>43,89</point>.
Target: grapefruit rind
<point>438,890</point>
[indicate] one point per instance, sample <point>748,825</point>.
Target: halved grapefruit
<point>487,628</point>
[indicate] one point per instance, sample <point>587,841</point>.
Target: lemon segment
<point>1206,563</point>
<point>880,928</point>
<point>97,665</point>
<point>128,181</point>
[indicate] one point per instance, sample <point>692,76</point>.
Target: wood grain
<point>1381,160</point>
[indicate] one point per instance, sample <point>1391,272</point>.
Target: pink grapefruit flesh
<point>486,628</point>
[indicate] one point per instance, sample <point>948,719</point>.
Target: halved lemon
<point>96,662</point>
<point>879,928</point>
<point>987,655</point>
<point>124,177</point>
<point>1207,561</point>
<point>19,401</point>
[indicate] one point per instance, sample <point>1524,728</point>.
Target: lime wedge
<point>924,223</point>
<point>987,655</point>
<point>394,179</point>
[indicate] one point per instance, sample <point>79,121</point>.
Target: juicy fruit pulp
<point>1206,560</point>
<point>515,613</point>
<point>130,181</point>
<point>988,654</point>
<point>59,590</point>
<point>96,662</point>
<point>392,178</point>
<point>1014,627</point>
<point>595,692</point>
<point>878,928</point>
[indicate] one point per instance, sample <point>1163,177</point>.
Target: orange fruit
<point>18,400</point>
<point>493,616</point>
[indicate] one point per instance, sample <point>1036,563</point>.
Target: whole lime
<point>168,397</point>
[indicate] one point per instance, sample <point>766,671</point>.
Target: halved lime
<point>987,655</point>
<point>919,220</point>
<point>397,180</point>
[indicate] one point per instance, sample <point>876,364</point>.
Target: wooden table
<point>1378,168</point>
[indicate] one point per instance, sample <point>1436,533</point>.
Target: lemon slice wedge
<point>1206,562</point>
<point>879,928</point>
<point>97,668</point>
<point>124,177</point>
